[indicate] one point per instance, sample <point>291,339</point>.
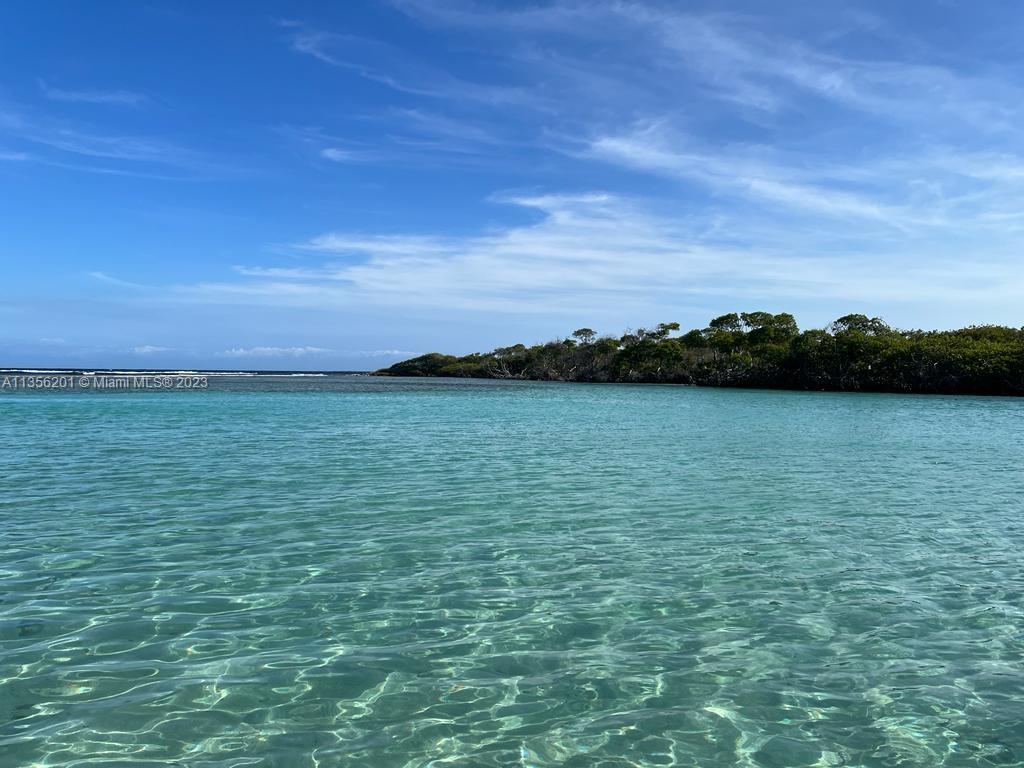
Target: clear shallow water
<point>372,572</point>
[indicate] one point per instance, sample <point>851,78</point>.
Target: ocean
<point>355,571</point>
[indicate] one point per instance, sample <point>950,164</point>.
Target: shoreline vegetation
<point>760,350</point>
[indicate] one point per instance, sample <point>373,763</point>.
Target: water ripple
<point>411,574</point>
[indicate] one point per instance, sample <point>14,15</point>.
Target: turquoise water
<point>372,572</point>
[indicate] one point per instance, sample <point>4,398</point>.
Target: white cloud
<point>394,68</point>
<point>649,49</point>
<point>589,73</point>
<point>337,155</point>
<point>71,145</point>
<point>731,172</point>
<point>103,277</point>
<point>776,164</point>
<point>590,251</point>
<point>419,128</point>
<point>149,349</point>
<point>915,192</point>
<point>92,96</point>
<point>274,352</point>
<point>771,184</point>
<point>380,352</point>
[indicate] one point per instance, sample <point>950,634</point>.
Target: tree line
<point>761,350</point>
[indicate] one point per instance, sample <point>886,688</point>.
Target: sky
<point>337,186</point>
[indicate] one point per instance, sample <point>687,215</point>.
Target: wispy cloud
<point>336,155</point>
<point>731,56</point>
<point>92,96</point>
<point>103,277</point>
<point>820,157</point>
<point>274,352</point>
<point>419,128</point>
<point>590,251</point>
<point>149,349</point>
<point>740,171</point>
<point>60,143</point>
<point>577,78</point>
<point>393,68</point>
<point>379,352</point>
<point>919,191</point>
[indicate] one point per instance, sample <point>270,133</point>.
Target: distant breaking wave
<point>118,372</point>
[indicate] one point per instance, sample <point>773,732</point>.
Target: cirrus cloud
<point>274,351</point>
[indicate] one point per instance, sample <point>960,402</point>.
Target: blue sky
<point>337,186</point>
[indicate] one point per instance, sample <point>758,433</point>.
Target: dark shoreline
<point>738,387</point>
<point>759,350</point>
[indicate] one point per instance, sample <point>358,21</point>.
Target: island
<point>855,353</point>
